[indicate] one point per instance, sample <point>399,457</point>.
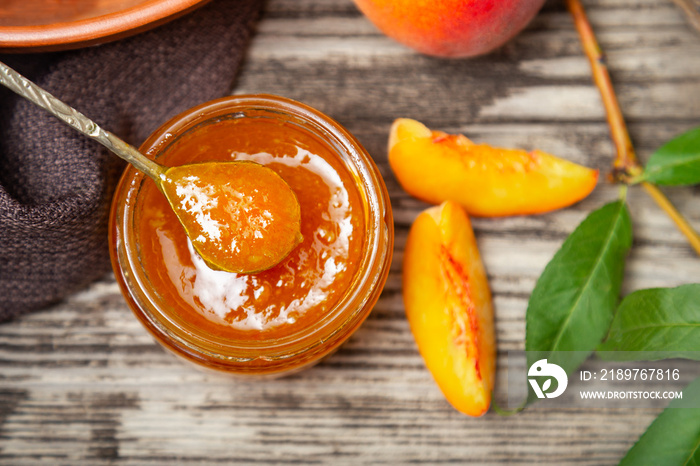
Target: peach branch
<point>625,166</point>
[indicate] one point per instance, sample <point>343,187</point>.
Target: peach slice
<point>487,181</point>
<point>448,305</point>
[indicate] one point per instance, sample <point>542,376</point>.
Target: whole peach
<point>450,28</point>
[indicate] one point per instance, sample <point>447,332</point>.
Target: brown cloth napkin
<point>55,184</point>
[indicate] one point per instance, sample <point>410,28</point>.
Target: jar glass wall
<point>305,340</point>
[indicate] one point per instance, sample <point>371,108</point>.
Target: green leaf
<point>675,163</point>
<point>573,302</point>
<point>663,320</point>
<point>674,437</point>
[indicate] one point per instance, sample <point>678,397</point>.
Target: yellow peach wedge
<point>487,181</point>
<point>448,306</point>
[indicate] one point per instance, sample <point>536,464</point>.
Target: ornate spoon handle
<point>73,118</point>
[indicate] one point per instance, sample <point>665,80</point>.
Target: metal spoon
<point>199,194</point>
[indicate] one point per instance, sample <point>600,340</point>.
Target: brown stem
<point>625,166</point>
<point>692,9</point>
<point>626,161</point>
<point>672,212</point>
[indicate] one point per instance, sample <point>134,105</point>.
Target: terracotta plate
<point>41,25</point>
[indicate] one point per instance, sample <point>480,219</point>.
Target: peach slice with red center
<point>448,305</point>
<point>487,181</point>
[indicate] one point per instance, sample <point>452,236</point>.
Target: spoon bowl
<point>232,222</point>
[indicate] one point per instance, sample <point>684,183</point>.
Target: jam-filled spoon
<point>240,216</point>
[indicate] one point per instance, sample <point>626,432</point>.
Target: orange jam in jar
<point>288,316</point>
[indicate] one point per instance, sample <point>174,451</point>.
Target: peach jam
<point>294,313</point>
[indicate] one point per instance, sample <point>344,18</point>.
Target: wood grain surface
<point>83,383</point>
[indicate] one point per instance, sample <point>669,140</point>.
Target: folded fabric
<point>55,184</point>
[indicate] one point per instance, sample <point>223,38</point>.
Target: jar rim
<point>352,307</point>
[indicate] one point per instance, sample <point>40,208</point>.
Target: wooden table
<point>83,383</point>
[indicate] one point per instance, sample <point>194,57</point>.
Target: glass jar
<point>255,356</point>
